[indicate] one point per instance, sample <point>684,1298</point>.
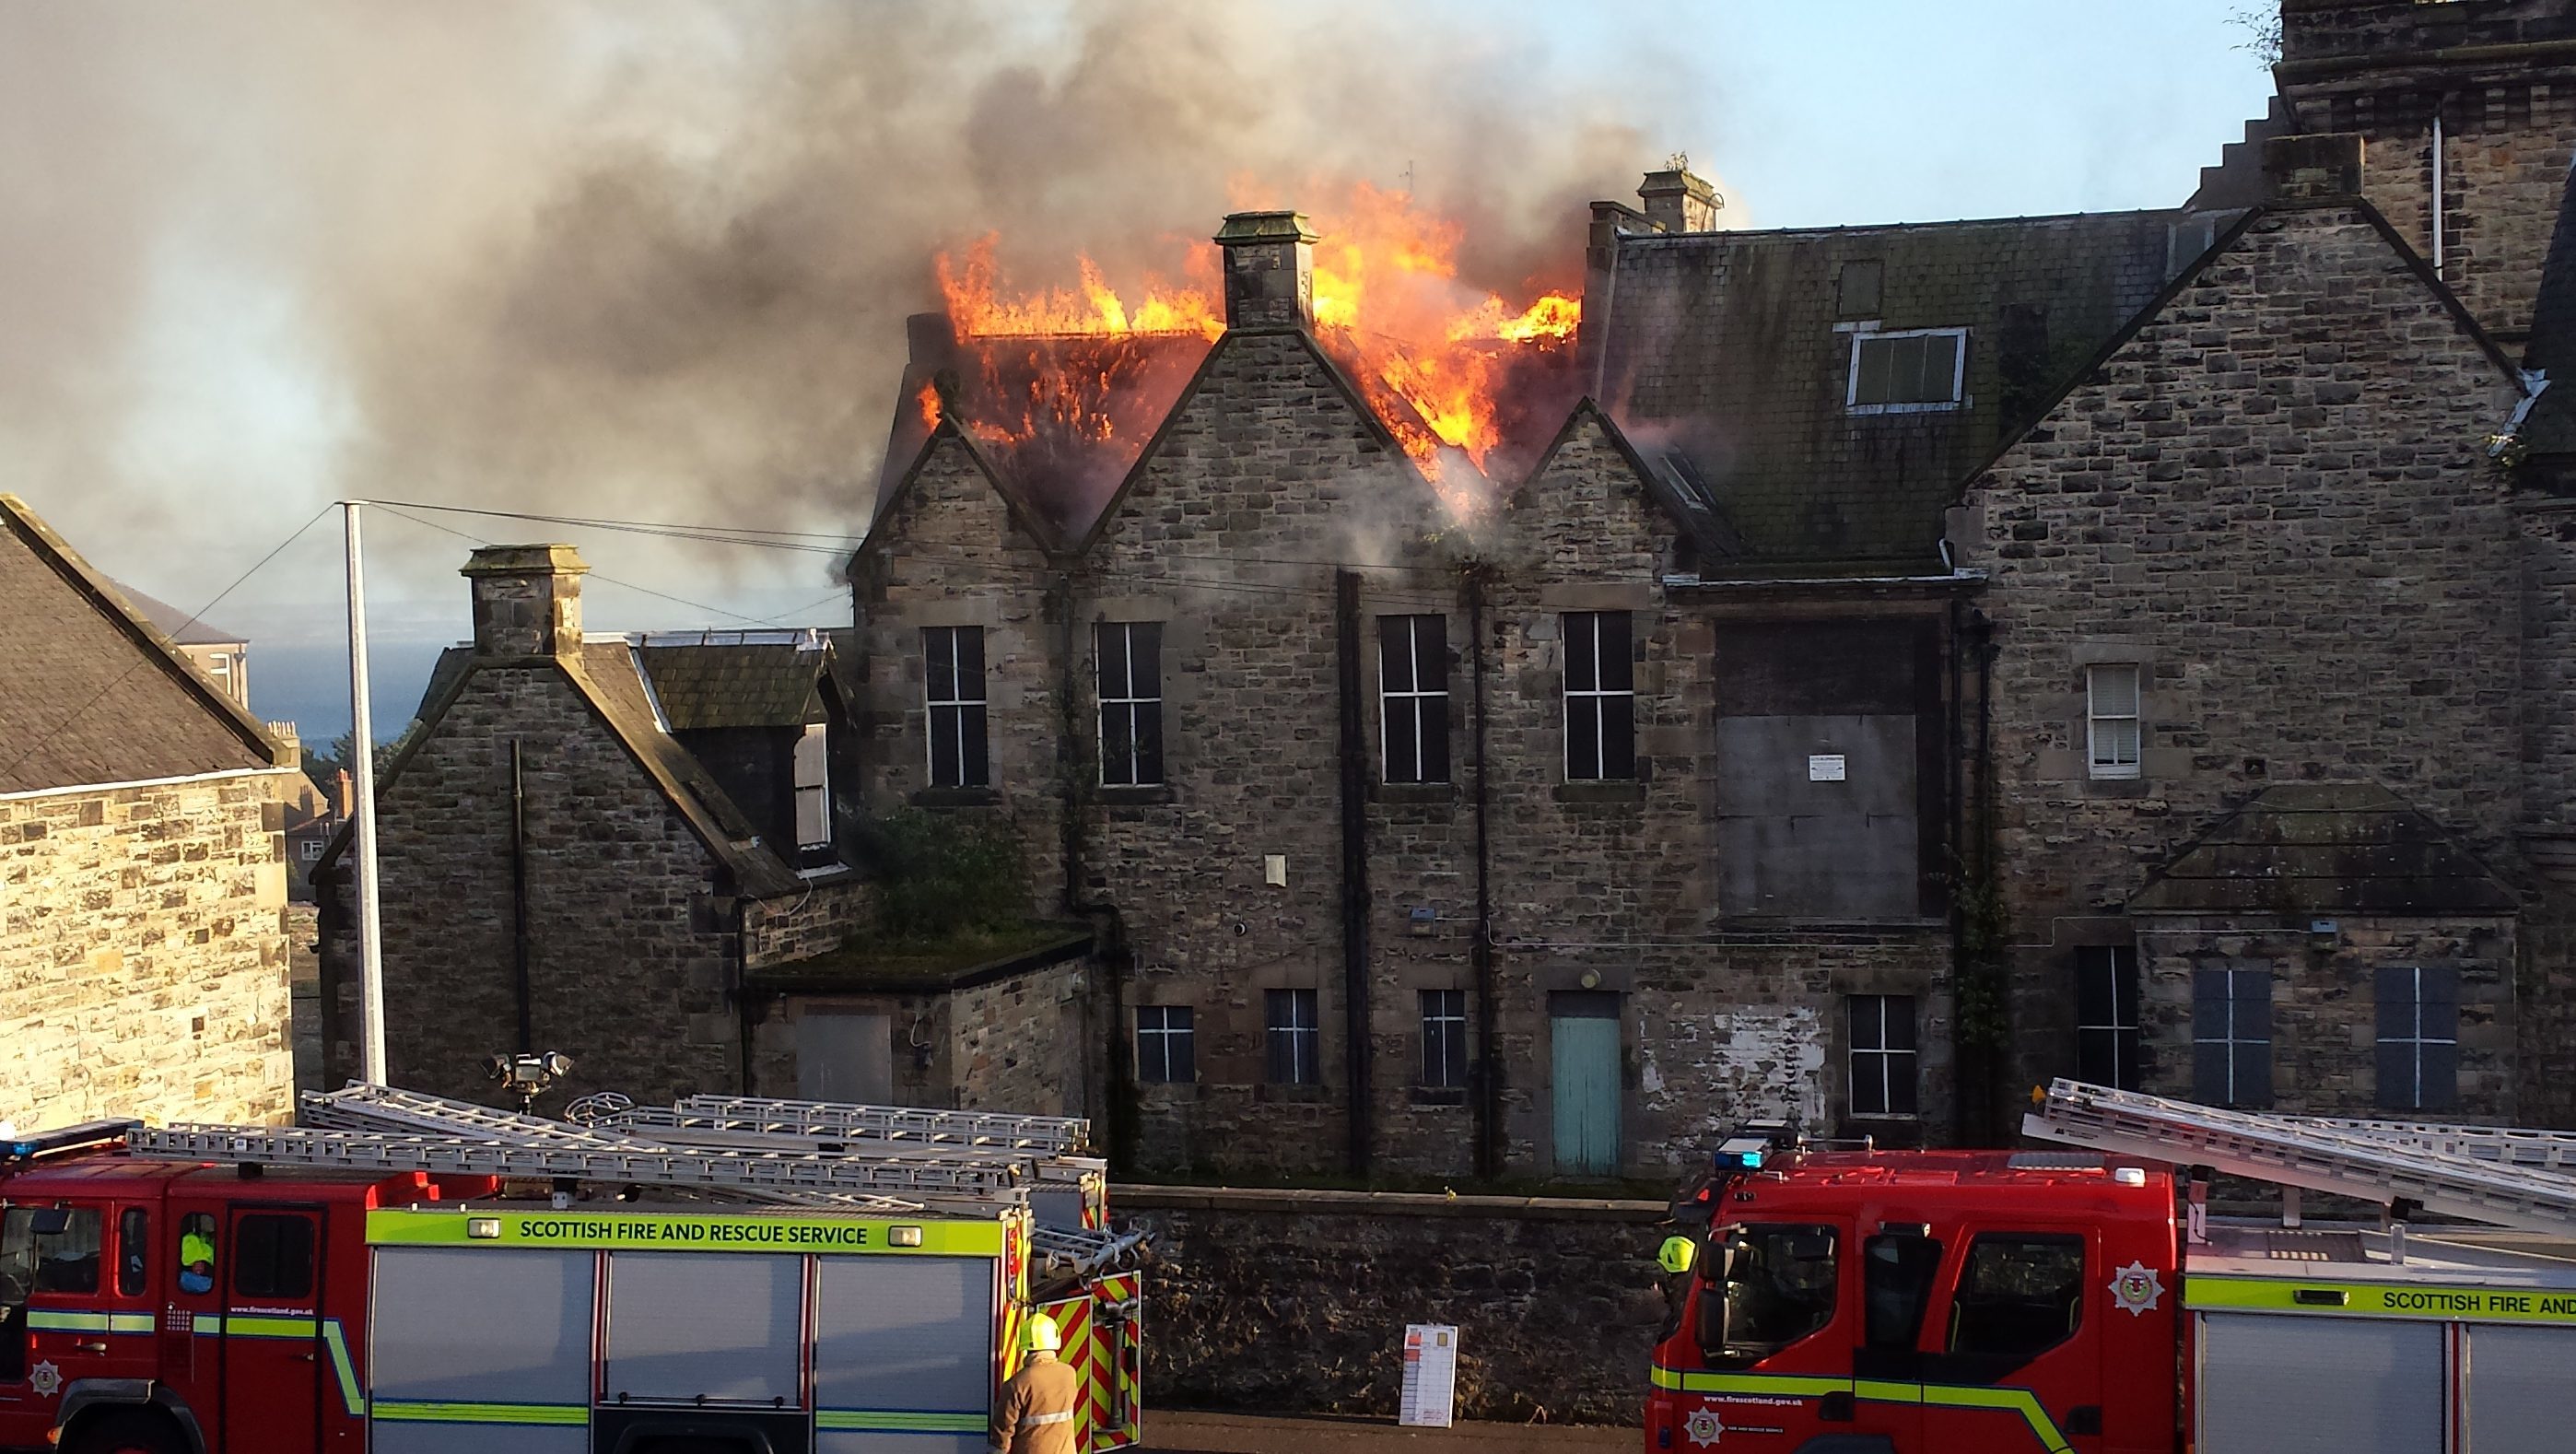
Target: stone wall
<point>2275,500</point>
<point>1296,1301</point>
<point>1028,1044</point>
<point>630,945</point>
<point>823,918</point>
<point>143,957</point>
<point>2501,75</point>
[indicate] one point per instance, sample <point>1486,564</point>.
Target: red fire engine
<point>1855,1301</point>
<point>405,1274</point>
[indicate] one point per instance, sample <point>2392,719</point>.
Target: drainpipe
<point>1958,874</point>
<point>1489,1061</point>
<point>1981,629</point>
<point>520,980</point>
<point>2436,201</point>
<point>1355,889</point>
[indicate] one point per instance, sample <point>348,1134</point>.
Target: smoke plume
<point>652,257</point>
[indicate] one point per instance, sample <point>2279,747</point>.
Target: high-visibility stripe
<point>52,1321</point>
<point>1931,1395</point>
<point>2437,1302</point>
<point>249,1325</point>
<point>1033,1421</point>
<point>902,1421</point>
<point>421,1411</point>
<point>343,1369</point>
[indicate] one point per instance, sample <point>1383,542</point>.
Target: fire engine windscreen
<point>1777,1285</point>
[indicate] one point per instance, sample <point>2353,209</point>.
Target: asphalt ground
<point>1169,1432</point>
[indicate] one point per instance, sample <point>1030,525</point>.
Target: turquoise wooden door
<point>1584,1028</point>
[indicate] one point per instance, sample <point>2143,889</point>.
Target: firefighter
<point>1035,1415</point>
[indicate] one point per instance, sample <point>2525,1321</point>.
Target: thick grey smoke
<point>653,257</point>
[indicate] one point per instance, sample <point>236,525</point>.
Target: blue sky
<point>1816,114</point>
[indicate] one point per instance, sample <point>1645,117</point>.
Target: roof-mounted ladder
<point>1047,1134</point>
<point>386,1153</point>
<point>672,1126</point>
<point>2435,1168</point>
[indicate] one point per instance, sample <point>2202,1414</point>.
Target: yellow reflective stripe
<point>1936,1395</point>
<point>130,1323</point>
<point>50,1321</point>
<point>413,1411</point>
<point>2012,1400</point>
<point>901,1421</point>
<point>249,1325</point>
<point>2442,1302</point>
<point>343,1369</point>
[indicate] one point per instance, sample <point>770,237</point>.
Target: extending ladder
<point>2467,1172</point>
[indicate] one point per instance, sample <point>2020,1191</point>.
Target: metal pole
<point>362,752</point>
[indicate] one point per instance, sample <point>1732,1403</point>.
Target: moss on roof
<point>966,957</point>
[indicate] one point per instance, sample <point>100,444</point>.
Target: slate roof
<point>751,683</point>
<point>174,623</point>
<point>1722,349</point>
<point>2325,847</point>
<point>90,692</point>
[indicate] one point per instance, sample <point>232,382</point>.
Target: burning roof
<point>1063,388</point>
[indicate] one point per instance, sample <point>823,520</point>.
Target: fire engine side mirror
<point>1676,1254</point>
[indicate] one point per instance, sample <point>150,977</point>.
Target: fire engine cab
<point>407,1274</point>
<point>1857,1301</point>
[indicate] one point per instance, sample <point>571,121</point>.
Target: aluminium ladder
<point>674,1126</point>
<point>2494,1145</point>
<point>1049,1134</point>
<point>2434,1167</point>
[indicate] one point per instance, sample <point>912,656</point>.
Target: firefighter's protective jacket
<point>1035,1415</point>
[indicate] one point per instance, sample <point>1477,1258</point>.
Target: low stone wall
<point>1296,1301</point>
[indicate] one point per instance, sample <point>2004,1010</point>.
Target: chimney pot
<point>2313,167</point>
<point>1680,200</point>
<point>527,600</point>
<point>1269,270</point>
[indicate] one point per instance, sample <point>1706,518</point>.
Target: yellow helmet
<point>1675,1255</point>
<point>1039,1335</point>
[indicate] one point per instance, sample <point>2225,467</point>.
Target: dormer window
<point>1915,370</point>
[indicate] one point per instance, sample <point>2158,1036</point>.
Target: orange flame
<point>928,399</point>
<point>1432,355</point>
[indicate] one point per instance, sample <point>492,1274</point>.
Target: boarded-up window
<point>842,1056</point>
<point>1413,687</point>
<point>2419,1038</point>
<point>953,661</point>
<point>2231,1036</point>
<point>1600,698</point>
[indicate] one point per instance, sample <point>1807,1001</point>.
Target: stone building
<point>1932,659</point>
<point>142,893</point>
<point>634,850</point>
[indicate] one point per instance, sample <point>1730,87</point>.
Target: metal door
<point>844,1057</point>
<point>1584,1064</point>
<point>271,1276</point>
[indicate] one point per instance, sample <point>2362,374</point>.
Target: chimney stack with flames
<point>1678,200</point>
<point>1269,270</point>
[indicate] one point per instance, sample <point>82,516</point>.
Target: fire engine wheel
<point>127,1431</point>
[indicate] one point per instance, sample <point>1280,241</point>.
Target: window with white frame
<point>1166,1044</point>
<point>2231,1037</point>
<point>1882,1055</point>
<point>1912,370</point>
<point>1600,698</point>
<point>953,670</point>
<point>1413,691</point>
<point>2112,732</point>
<point>311,850</point>
<point>1131,703</point>
<point>1296,1037</point>
<point>813,788</point>
<point>2106,1015</point>
<point>1444,1038</point>
<point>2419,1038</point>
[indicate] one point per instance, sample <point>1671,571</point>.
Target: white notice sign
<point>1430,1375</point>
<point>1825,769</point>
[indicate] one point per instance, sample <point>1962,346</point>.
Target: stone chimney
<point>1679,200</point>
<point>1269,270</point>
<point>527,600</point>
<point>344,797</point>
<point>2310,168</point>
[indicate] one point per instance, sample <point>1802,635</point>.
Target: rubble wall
<point>1296,1301</point>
